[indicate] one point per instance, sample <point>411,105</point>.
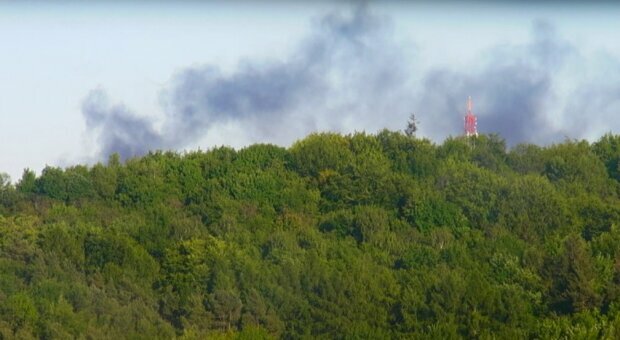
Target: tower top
<point>471,122</point>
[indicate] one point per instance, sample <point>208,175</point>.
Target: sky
<point>81,80</point>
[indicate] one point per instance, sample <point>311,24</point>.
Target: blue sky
<point>138,62</point>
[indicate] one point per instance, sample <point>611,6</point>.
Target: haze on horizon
<point>82,80</point>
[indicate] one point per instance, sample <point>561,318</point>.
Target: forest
<point>359,236</point>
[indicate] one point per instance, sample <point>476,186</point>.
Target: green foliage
<point>27,184</point>
<point>572,274</point>
<point>526,159</point>
<point>426,208</point>
<point>476,191</point>
<point>489,151</point>
<point>320,152</point>
<point>409,155</point>
<point>574,167</point>
<point>339,236</point>
<point>608,151</point>
<point>532,208</point>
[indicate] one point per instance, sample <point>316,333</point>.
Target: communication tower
<point>471,122</point>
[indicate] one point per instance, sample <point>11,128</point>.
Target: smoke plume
<point>540,92</point>
<point>350,74</point>
<point>119,130</point>
<point>512,87</point>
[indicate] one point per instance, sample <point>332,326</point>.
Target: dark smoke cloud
<point>541,92</point>
<point>347,74</point>
<point>594,107</point>
<point>119,130</point>
<point>512,88</point>
<point>350,74</point>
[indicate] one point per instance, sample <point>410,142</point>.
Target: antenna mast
<point>471,121</point>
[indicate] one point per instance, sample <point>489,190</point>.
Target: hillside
<point>357,236</point>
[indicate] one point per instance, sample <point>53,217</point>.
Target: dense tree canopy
<point>338,236</point>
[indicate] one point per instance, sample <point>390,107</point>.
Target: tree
<point>338,236</point>
<point>225,307</point>
<point>27,184</point>
<point>319,152</point>
<point>572,274</point>
<point>608,150</point>
<point>412,126</point>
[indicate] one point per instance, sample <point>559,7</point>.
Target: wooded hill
<point>357,236</point>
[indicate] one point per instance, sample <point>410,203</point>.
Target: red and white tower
<point>471,122</point>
